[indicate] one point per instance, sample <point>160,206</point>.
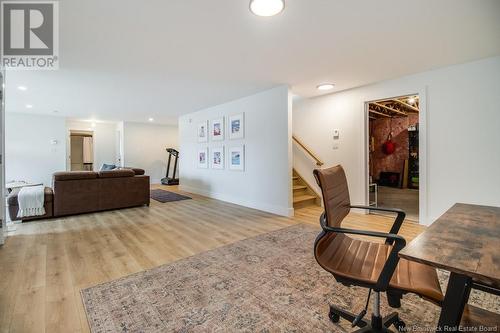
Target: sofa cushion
<point>137,171</point>
<point>12,198</point>
<point>116,173</point>
<point>74,175</point>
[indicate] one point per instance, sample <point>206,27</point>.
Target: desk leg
<point>457,295</point>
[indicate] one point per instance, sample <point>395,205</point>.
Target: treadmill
<point>171,180</point>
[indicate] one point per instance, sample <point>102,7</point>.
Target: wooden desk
<point>465,242</point>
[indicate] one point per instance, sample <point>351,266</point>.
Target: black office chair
<point>356,262</point>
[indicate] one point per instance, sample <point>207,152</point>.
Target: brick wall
<point>379,129</point>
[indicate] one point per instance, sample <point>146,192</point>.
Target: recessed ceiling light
<point>29,106</point>
<point>325,86</point>
<point>151,119</point>
<point>267,7</point>
<point>22,88</point>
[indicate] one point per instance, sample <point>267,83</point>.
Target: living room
<point>215,170</point>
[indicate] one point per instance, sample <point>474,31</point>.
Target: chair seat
<point>361,260</point>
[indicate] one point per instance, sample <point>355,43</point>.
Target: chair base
<point>377,324</point>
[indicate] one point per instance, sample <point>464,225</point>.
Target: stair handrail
<point>308,151</point>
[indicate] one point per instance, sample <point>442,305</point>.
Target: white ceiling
<point>131,60</point>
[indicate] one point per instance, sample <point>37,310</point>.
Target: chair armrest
<point>392,210</point>
<point>392,260</point>
<point>397,222</point>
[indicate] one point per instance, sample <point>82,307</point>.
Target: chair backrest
<point>333,184</point>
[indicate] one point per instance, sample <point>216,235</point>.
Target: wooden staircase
<point>303,194</point>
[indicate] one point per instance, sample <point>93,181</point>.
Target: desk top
<point>465,240</point>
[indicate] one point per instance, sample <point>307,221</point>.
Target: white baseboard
<point>282,211</point>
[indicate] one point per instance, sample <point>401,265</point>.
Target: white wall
<point>462,116</point>
<point>31,156</point>
<point>266,182</point>
<point>104,140</point>
<point>29,152</point>
<point>144,147</point>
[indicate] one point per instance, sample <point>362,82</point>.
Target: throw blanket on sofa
<point>31,200</point>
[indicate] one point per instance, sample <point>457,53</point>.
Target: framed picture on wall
<point>217,158</point>
<point>203,158</point>
<point>237,158</point>
<point>202,132</point>
<point>217,129</point>
<point>237,126</point>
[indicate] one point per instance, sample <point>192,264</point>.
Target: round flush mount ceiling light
<point>267,7</point>
<point>29,106</point>
<point>325,86</point>
<point>151,119</point>
<point>22,88</point>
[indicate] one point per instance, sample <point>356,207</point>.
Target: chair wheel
<point>334,317</point>
<point>400,325</point>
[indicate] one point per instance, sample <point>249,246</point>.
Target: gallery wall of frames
<point>229,150</point>
<point>226,135</point>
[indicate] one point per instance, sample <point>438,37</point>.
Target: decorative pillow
<point>107,167</point>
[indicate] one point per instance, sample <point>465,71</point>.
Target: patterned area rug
<point>269,283</point>
<point>167,196</point>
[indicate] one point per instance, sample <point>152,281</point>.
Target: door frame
<point>3,217</point>
<point>68,145</point>
<point>422,142</point>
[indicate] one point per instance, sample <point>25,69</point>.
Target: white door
<point>3,231</point>
<point>119,148</point>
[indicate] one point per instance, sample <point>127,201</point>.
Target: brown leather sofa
<point>79,192</point>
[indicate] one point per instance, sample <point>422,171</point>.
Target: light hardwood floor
<point>45,264</point>
<point>403,198</point>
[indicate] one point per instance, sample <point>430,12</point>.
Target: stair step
<point>299,187</point>
<point>302,198</point>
